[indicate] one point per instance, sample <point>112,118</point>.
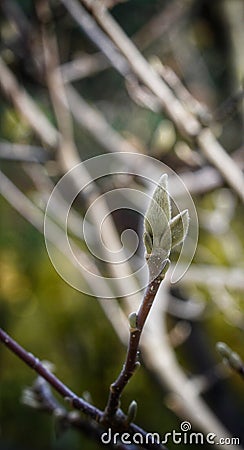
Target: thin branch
<point>211,275</point>
<point>76,402</point>
<point>21,203</point>
<point>185,121</point>
<point>83,66</point>
<point>27,107</point>
<point>194,106</point>
<point>97,36</point>
<point>217,156</point>
<point>23,153</point>
<point>35,364</point>
<point>40,397</point>
<point>188,403</point>
<point>35,216</point>
<point>129,367</point>
<point>69,156</point>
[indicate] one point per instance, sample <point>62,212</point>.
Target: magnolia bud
<point>132,411</point>
<point>133,321</point>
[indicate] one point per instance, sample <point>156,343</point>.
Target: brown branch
<point>119,425</point>
<point>130,365</point>
<point>39,396</point>
<point>35,364</point>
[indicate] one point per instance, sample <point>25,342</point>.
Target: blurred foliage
<point>46,315</point>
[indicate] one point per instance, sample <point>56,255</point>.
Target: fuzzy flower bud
<point>162,232</point>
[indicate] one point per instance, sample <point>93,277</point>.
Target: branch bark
<point>120,425</point>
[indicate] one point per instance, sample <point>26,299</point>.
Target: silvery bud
<point>232,358</point>
<point>132,411</point>
<point>133,321</point>
<point>162,233</point>
<point>158,213</point>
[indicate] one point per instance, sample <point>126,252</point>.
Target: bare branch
<point>24,153</point>
<point>69,156</point>
<point>35,364</point>
<point>84,66</point>
<point>185,121</point>
<point>96,35</point>
<point>76,402</point>
<point>215,153</point>
<point>26,106</point>
<point>129,367</point>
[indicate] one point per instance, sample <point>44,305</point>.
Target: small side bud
<point>230,357</point>
<point>28,398</point>
<point>132,411</point>
<point>133,321</point>
<point>223,349</point>
<point>137,366</point>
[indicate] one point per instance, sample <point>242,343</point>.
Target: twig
<point>69,157</point>
<point>129,367</point>
<point>215,153</point>
<point>84,66</point>
<point>185,121</point>
<point>233,17</point>
<point>158,249</point>
<point>27,107</point>
<point>44,187</point>
<point>39,396</point>
<point>20,202</point>
<point>187,400</point>
<point>35,364</point>
<point>96,35</point>
<point>207,274</point>
<point>76,402</point>
<point>35,216</point>
<point>181,92</point>
<point>24,153</point>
